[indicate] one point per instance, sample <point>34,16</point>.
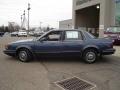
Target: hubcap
<point>22,55</point>
<point>90,56</point>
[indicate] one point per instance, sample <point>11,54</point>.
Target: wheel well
<point>22,48</point>
<point>93,48</point>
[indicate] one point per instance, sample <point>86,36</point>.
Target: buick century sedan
<point>61,42</point>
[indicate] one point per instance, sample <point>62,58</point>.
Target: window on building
<point>117,12</point>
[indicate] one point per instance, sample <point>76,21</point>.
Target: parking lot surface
<point>41,74</point>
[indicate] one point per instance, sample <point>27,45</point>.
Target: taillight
<point>111,45</point>
<point>113,41</point>
<point>119,36</point>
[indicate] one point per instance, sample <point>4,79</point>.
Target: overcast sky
<point>49,12</point>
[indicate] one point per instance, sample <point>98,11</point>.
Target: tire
<point>101,56</point>
<point>24,55</point>
<point>90,56</point>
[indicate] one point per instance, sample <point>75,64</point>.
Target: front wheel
<point>90,56</point>
<point>24,55</point>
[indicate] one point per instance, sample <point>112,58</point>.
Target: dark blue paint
<point>103,46</point>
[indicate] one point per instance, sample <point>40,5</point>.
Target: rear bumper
<point>117,41</point>
<point>108,51</point>
<point>10,52</point>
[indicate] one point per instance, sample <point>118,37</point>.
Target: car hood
<point>22,41</point>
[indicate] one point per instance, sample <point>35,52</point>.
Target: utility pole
<point>68,26</point>
<point>24,14</point>
<point>40,25</point>
<point>21,22</point>
<point>28,16</point>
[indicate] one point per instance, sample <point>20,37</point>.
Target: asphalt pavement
<point>41,74</point>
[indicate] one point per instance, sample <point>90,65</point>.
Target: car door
<point>50,43</point>
<point>73,42</point>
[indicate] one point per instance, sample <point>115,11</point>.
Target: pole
<point>21,21</point>
<point>40,25</point>
<point>28,16</point>
<point>68,26</point>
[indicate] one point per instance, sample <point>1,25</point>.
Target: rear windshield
<point>89,35</point>
<point>113,29</point>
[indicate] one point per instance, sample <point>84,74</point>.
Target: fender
<point>24,46</point>
<point>91,46</point>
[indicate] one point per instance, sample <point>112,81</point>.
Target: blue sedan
<point>55,42</point>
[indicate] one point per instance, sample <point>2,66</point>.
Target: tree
<point>13,26</point>
<point>2,28</point>
<point>48,28</point>
<point>6,29</point>
<point>16,27</point>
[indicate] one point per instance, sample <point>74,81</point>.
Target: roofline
<point>66,30</point>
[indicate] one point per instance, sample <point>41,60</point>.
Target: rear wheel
<point>24,55</point>
<point>90,56</point>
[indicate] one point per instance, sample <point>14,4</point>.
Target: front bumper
<point>10,52</point>
<point>108,51</point>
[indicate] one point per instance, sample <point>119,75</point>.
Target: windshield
<point>37,38</point>
<point>113,29</point>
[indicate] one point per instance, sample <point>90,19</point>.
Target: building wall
<point>87,17</point>
<point>66,24</point>
<point>106,16</point>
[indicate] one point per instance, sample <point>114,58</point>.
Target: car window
<point>73,35</point>
<point>53,36</point>
<point>89,35</point>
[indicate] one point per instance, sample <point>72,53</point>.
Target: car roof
<point>66,30</point>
